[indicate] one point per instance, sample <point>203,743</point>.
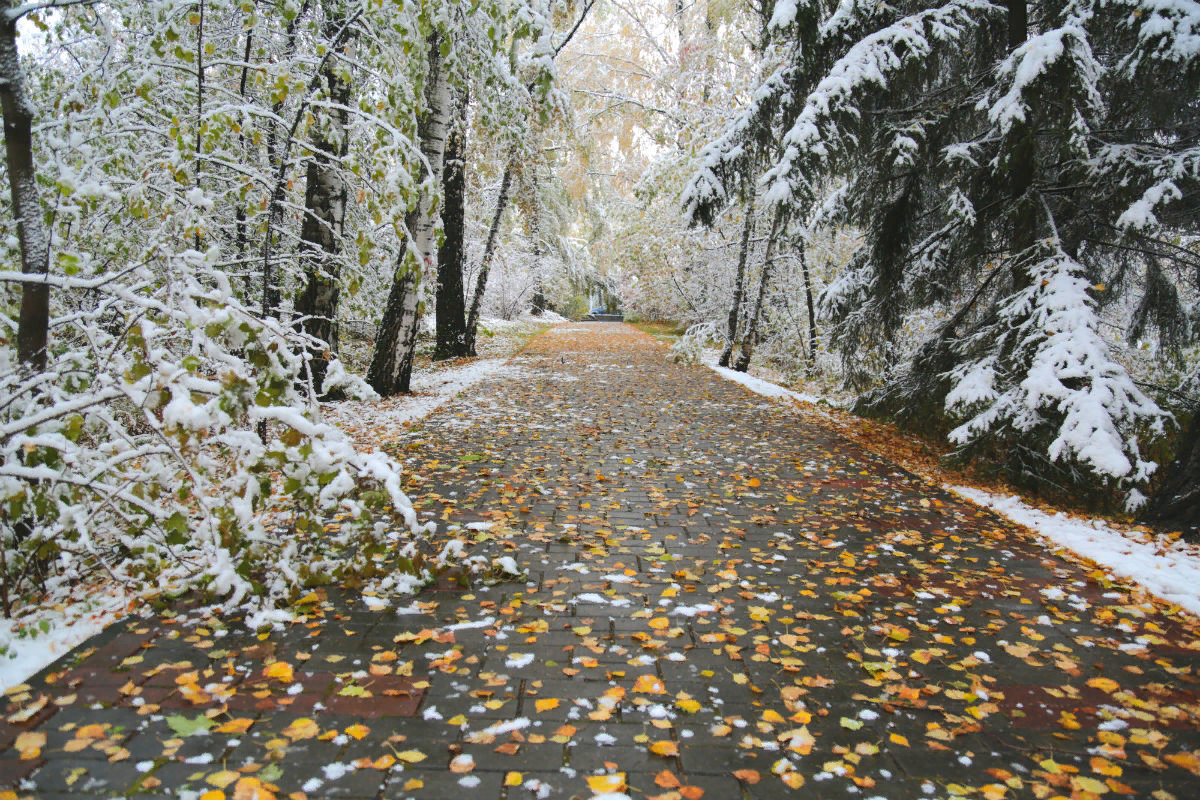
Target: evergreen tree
<point>1015,181</point>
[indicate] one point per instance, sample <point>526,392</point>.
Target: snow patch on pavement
<point>38,635</point>
<point>430,391</point>
<point>1169,569</point>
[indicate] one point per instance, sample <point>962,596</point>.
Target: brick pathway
<point>725,600</point>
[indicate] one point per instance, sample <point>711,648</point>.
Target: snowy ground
<point>38,635</point>
<point>1165,566</point>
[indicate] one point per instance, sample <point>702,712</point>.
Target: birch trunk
<point>764,277</point>
<point>391,364</point>
<point>34,324</point>
<point>325,199</point>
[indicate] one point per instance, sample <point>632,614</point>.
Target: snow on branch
<point>1032,66</point>
<point>824,126</point>
<point>1047,368</point>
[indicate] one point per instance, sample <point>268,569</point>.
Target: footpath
<point>722,599</point>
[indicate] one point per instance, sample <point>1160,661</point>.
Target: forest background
<point>979,220</point>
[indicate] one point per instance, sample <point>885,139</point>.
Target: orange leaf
<point>749,776</point>
<point>691,792</point>
<point>665,748</point>
<point>545,704</point>
<point>649,684</point>
<point>666,779</point>
<point>280,671</point>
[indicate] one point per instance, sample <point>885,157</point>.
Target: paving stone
<point>896,636</point>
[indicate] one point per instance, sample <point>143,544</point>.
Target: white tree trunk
<point>391,365</point>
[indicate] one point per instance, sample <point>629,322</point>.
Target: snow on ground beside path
<point>430,390</point>
<point>42,634</point>
<point>765,388</point>
<point>1169,569</point>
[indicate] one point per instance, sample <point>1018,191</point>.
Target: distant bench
<point>604,318</point>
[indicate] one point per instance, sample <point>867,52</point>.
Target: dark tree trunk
<point>395,344</point>
<point>325,198</point>
<point>1177,502</point>
<point>764,277</point>
<point>270,282</point>
<point>485,263</point>
<point>739,288</point>
<point>451,303</point>
<point>812,316</point>
<point>33,328</point>
<point>1022,165</point>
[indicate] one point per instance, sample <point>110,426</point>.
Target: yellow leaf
<point>793,779</point>
<point>29,744</point>
<point>771,715</point>
<point>512,779</point>
<point>900,740</point>
<point>91,732</point>
<point>665,748</point>
<point>411,756</point>
<point>413,784</point>
<point>606,784</point>
<point>280,671</point>
<point>1089,784</point>
<point>237,725</point>
<point>357,731</point>
<point>690,706</point>
<point>1107,685</point>
<point>301,728</point>
<point>659,623</point>
<point>213,794</point>
<point>1103,766</point>
<point>545,704</point>
<point>222,779</point>
<point>649,684</point>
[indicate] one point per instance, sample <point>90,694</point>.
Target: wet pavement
<point>724,599</point>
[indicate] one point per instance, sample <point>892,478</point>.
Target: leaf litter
<point>717,599</point>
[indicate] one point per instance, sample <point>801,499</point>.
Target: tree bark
<point>33,327</point>
<point>1022,165</point>
<point>538,304</point>
<point>325,199</point>
<point>764,277</point>
<point>489,249</point>
<point>391,364</point>
<point>739,281</point>
<point>812,316</point>
<point>451,303</point>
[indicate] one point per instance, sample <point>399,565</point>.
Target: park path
<point>724,600</point>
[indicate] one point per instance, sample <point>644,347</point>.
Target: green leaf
<point>189,727</point>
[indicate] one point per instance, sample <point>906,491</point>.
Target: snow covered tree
<point>169,431</point>
<point>1018,180</point>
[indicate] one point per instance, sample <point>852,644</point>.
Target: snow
<point>40,635</point>
<point>762,387</point>
<point>430,391</point>
<point>1169,569</point>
